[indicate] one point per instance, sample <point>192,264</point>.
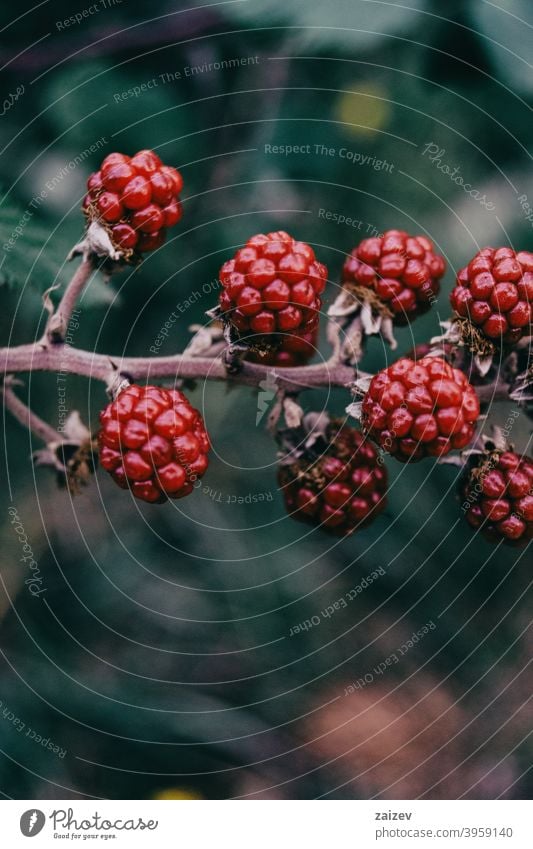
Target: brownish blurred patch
<point>405,741</point>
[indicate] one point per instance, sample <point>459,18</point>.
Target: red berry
<point>109,207</point>
<point>342,489</point>
<point>482,286</point>
<point>141,194</point>
<point>114,159</point>
<point>249,301</point>
<point>117,176</point>
<point>263,322</point>
<point>495,326</point>
<point>94,184</point>
<point>175,176</point>
<point>260,272</point>
<point>497,496</point>
<point>273,275</point>
<point>276,295</point>
<point>495,292</point>
<point>153,441</point>
<point>172,213</point>
<point>137,193</point>
<point>148,219</point>
<point>151,241</point>
<point>402,270</point>
<point>290,318</point>
<point>504,297</point>
<point>293,267</point>
<point>479,311</point>
<point>494,484</point>
<point>145,162</point>
<point>124,236</point>
<point>415,409</point>
<point>162,188</point>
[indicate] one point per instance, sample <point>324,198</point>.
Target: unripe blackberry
<point>494,293</point>
<point>420,409</point>
<point>153,442</point>
<point>395,272</point>
<point>272,285</point>
<point>136,199</point>
<point>341,489</point>
<point>497,494</point>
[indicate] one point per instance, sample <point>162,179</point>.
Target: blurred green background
<point>159,657</point>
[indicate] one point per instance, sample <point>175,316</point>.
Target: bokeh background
<point>159,659</point>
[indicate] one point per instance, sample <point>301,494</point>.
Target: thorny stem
<point>58,321</point>
<point>61,357</point>
<point>52,354</point>
<point>497,391</point>
<point>27,417</point>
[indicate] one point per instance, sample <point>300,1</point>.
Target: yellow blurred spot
<point>364,110</point>
<point>176,793</point>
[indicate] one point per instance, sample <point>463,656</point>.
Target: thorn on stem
<point>232,358</point>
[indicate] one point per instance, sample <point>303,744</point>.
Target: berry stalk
<point>26,417</point>
<point>58,322</point>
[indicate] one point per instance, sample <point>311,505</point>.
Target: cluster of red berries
<point>402,271</point>
<point>495,293</point>
<point>497,492</point>
<point>272,285</point>
<point>136,198</point>
<point>341,490</point>
<point>415,409</point>
<point>153,442</point>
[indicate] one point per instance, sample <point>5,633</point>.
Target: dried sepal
<point>357,312</point>
<point>207,340</point>
<point>73,457</point>
<point>483,363</point>
<point>79,464</point>
<point>522,389</point>
<point>460,331</point>
<point>97,242</point>
<point>292,412</point>
<point>354,410</point>
<point>306,440</point>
